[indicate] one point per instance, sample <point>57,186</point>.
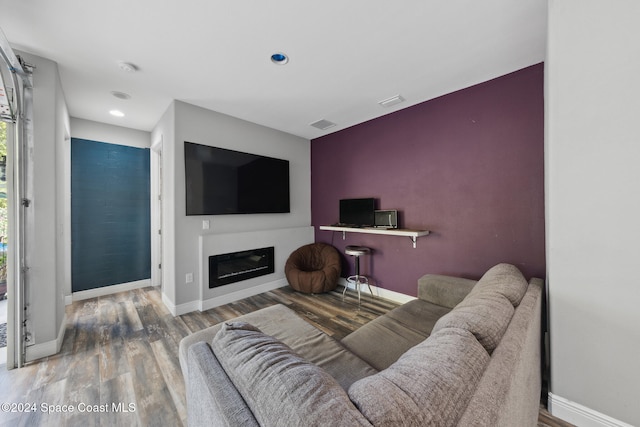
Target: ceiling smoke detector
<point>128,67</point>
<point>120,95</point>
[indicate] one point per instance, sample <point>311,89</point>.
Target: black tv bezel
<point>204,212</point>
<point>366,218</point>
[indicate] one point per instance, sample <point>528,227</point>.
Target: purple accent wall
<point>469,166</point>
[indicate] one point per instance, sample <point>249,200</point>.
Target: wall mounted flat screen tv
<point>224,182</point>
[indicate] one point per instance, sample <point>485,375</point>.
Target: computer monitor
<point>358,212</point>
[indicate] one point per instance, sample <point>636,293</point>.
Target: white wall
<point>195,124</point>
<point>45,216</point>
<point>593,208</point>
<point>63,211</point>
<point>102,132</point>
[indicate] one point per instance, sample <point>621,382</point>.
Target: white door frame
<point>156,212</point>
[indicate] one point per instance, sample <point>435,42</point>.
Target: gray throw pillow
<point>280,387</point>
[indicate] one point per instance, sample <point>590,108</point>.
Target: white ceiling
<point>345,55</point>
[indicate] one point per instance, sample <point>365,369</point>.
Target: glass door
<point>4,228</point>
<point>6,124</point>
<point>15,118</point>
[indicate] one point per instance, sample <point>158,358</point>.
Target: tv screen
<point>223,182</point>
<point>357,212</point>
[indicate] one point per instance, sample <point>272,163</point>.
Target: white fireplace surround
<point>284,241</point>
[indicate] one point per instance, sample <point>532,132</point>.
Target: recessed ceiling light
<point>279,58</point>
<point>128,67</point>
<point>116,113</point>
<point>120,95</point>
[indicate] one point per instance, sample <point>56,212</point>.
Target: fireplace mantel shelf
<point>412,234</point>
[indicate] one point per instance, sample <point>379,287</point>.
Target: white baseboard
<point>38,351</point>
<point>244,293</point>
<point>380,292</point>
<point>107,290</point>
<point>177,310</point>
<point>579,415</point>
<point>190,306</point>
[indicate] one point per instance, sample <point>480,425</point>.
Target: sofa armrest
<point>446,291</point>
<point>212,399</point>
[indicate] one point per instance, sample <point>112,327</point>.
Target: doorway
<point>110,214</point>
<point>156,214</point>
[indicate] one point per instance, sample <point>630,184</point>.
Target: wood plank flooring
<point>118,365</point>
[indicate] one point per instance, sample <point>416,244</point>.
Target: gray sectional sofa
<point>464,353</point>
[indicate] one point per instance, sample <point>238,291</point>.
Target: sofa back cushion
<point>431,384</point>
<point>280,387</point>
<point>486,315</point>
<point>446,291</point>
<point>504,279</point>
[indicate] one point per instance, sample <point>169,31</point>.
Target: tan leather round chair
<point>313,268</point>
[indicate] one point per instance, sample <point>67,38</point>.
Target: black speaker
<point>386,219</point>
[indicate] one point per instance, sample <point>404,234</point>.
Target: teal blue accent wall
<point>110,214</point>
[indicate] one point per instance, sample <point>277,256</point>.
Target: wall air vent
<point>386,103</point>
<point>322,124</point>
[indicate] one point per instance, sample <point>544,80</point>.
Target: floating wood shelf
<point>412,234</point>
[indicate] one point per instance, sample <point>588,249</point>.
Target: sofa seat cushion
<point>419,315</point>
<point>382,341</point>
<point>431,384</point>
<point>504,279</point>
<point>309,342</point>
<point>279,386</point>
<point>485,315</point>
<point>399,330</point>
